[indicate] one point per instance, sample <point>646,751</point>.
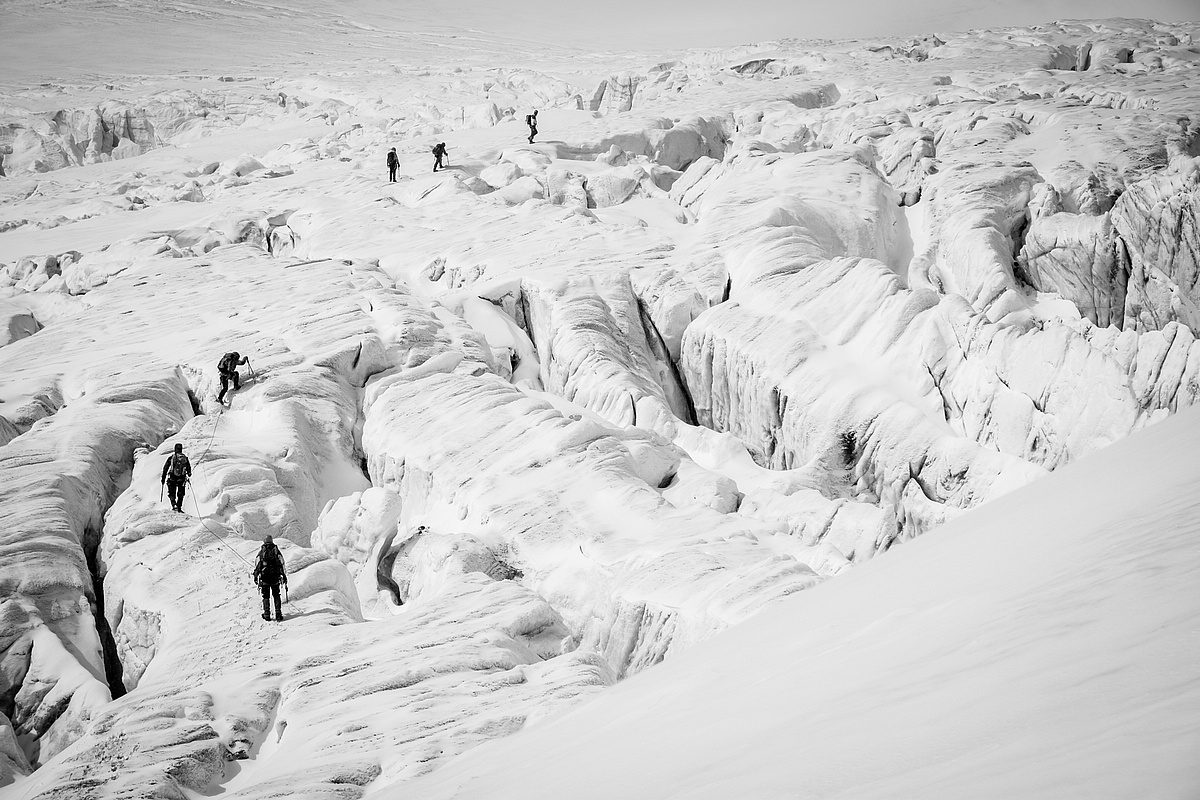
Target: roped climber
<point>176,472</point>
<point>227,369</point>
<point>269,572</point>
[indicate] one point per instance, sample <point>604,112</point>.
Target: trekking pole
<point>161,486</point>
<point>250,367</point>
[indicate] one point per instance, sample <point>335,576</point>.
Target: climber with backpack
<point>439,152</point>
<point>227,369</point>
<point>393,163</point>
<point>175,474</point>
<point>531,121</point>
<point>269,572</point>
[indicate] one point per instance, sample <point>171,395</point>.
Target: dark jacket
<point>270,568</point>
<point>230,361</point>
<point>177,468</point>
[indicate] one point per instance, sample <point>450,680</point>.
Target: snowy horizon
<point>789,413</point>
<point>186,37</point>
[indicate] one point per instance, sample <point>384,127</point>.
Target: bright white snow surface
<point>735,325</point>
<point>1044,646</point>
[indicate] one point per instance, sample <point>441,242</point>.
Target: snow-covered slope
<point>1043,646</point>
<point>736,323</point>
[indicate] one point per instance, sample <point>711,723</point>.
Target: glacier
<point>543,429</point>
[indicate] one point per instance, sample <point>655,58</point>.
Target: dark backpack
<point>392,160</point>
<point>179,465</point>
<point>228,362</point>
<point>270,563</point>
<point>529,120</point>
<point>439,149</point>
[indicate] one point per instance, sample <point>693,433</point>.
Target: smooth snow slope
<point>1043,646</point>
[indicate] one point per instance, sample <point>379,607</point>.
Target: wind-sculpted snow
<point>84,424</point>
<point>835,403</point>
<point>971,254</point>
<point>1129,261</point>
<point>866,358</point>
<point>264,467</point>
<point>1157,223</point>
<point>1076,255</point>
<point>574,505</point>
<point>58,479</point>
<point>115,130</point>
<point>594,349</point>
<point>805,690</point>
<point>181,633</point>
<point>324,701</point>
<point>737,320</point>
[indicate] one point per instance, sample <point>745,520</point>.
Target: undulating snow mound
<point>179,585</point>
<point>579,512</point>
<point>1041,646</point>
<point>268,464</point>
<point>564,409</point>
<point>59,479</point>
<point>1157,222</point>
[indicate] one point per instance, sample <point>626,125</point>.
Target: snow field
<point>568,410</point>
<point>1042,645</point>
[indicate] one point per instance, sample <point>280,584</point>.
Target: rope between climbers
<point>196,504</point>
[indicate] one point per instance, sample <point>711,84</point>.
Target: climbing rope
<point>213,533</point>
<point>196,504</point>
<point>216,422</point>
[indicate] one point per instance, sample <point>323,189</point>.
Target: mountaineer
<point>227,368</point>
<point>269,572</point>
<point>393,163</point>
<point>531,121</point>
<point>175,474</point>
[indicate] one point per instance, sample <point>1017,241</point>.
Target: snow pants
<point>392,174</point>
<point>270,590</point>
<point>175,492</point>
<point>226,379</point>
